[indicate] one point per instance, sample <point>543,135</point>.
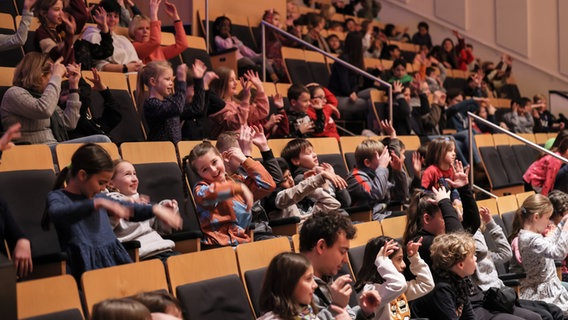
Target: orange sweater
<point>153,51</point>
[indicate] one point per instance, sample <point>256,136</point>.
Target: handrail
<point>531,144</point>
<point>265,24</point>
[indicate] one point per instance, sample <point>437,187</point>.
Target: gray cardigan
<point>18,105</point>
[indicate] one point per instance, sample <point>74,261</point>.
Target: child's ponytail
<point>534,204</point>
<point>422,202</point>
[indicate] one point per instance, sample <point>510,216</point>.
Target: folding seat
<point>511,166</point>
<point>394,226</point>
<point>25,192</point>
<point>41,298</point>
<point>9,7</point>
<point>122,281</point>
<point>525,156</point>
<point>298,71</point>
<point>8,299</point>
<point>496,172</point>
<point>356,259</point>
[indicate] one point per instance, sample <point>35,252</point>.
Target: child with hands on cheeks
<point>382,270</point>
<point>300,123</point>
<point>81,214</point>
<point>224,203</point>
<point>163,107</point>
<point>237,112</point>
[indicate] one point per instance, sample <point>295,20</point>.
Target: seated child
<point>224,203</point>
<point>541,174</point>
<point>124,185</point>
<point>302,125</point>
<point>303,161</point>
<point>453,257</point>
<point>318,105</point>
<point>382,270</point>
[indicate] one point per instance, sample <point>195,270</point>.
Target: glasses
<point>319,97</point>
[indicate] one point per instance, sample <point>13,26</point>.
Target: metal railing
<point>472,117</point>
<point>349,66</point>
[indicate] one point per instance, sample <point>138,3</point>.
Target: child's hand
<point>23,257</point>
<point>317,104</point>
<point>73,75</point>
<point>338,182</point>
<point>12,133</point>
<point>369,301</point>
<point>258,138</point>
<point>199,68</point>
<point>170,203</point>
<point>113,208</point>
<point>384,158</point>
<point>245,84</point>
<point>273,120</point>
<point>397,87</point>
<point>247,196</point>
<point>460,176</point>
<point>387,128</point>
<point>28,5</point>
<point>100,18</point>
<point>235,153</point>
<point>244,139</point>
<point>412,247</point>
<point>171,10</point>
<point>69,21</point>
<point>335,111</point>
<point>98,84</point>
<point>388,248</point>
<point>181,72</point>
<point>417,164</point>
<point>306,127</point>
<point>485,215</point>
<point>440,194</point>
<point>341,290</point>
<point>57,68</point>
<point>168,216</point>
<point>395,162</point>
<point>278,100</point>
<point>208,77</point>
<point>253,77</point>
<point>134,66</point>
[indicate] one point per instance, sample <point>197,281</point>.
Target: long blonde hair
<point>152,70</point>
<point>30,70</point>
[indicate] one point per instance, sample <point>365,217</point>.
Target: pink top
<point>234,114</point>
<point>153,51</point>
<point>542,173</point>
<point>234,42</point>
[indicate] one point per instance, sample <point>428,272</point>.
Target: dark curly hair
<point>324,226</point>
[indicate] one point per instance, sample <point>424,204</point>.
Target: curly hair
<point>451,248</point>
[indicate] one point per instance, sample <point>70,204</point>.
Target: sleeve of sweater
<point>72,113</point>
<point>209,195</point>
<point>12,232</point>
<point>258,180</point>
<point>167,108</point>
<point>104,49</point>
<point>260,107</point>
<point>63,211</point>
<point>423,283</point>
<point>181,42</point>
<point>503,252</point>
<point>19,38</point>
<point>395,283</point>
<point>319,121</point>
<point>198,106</point>
<point>297,193</point>
<point>231,118</point>
<point>361,188</point>
<point>471,218</point>
<point>144,49</point>
<point>20,102</point>
<point>450,215</point>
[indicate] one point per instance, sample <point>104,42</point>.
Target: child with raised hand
<point>318,104</point>
<point>288,288</point>
<point>382,270</point>
<point>81,215</point>
<point>60,22</point>
<point>164,105</point>
<point>303,162</point>
<point>124,187</point>
<point>223,204</point>
<point>277,125</point>
<point>538,252</point>
<point>18,39</point>
<point>453,257</point>
<point>237,112</point>
<point>147,36</point>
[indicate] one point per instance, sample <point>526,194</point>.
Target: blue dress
<point>85,234</point>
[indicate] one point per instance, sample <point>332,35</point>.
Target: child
<point>81,216</point>
<point>223,205</point>
<point>382,269</point>
<point>519,119</point>
<point>541,174</point>
<point>440,159</point>
<point>544,120</point>
<point>304,199</point>
<point>59,24</point>
<point>300,123</point>
<point>124,183</point>
<point>237,113</point>
<point>123,309</point>
<point>370,183</point>
<point>288,289</point>
<point>147,35</point>
<point>160,302</point>
<point>453,257</point>
<point>303,162</point>
<point>163,107</point>
<point>247,59</point>
<point>538,252</point>
<point>318,105</point>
